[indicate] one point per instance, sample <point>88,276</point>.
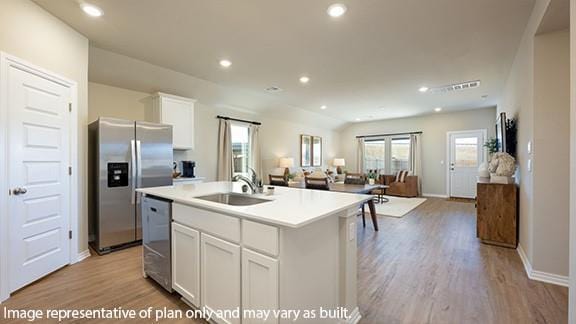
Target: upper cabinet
<point>178,112</point>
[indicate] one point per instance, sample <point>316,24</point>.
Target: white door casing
<point>39,127</point>
<point>465,154</point>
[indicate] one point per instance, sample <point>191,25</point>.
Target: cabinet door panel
<point>186,262</point>
<point>179,114</point>
<point>220,276</point>
<point>259,284</point>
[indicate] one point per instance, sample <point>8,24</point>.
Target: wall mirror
<point>305,150</point>
<point>310,151</point>
<point>316,151</point>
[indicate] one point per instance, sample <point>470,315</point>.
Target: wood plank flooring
<point>426,267</point>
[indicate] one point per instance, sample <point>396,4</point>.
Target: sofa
<point>408,188</point>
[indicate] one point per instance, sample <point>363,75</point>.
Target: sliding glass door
<point>387,155</point>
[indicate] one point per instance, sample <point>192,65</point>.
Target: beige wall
<point>279,138</point>
<point>537,93</point>
<point>551,152</point>
<point>434,128</point>
<point>572,290</point>
<point>32,34</point>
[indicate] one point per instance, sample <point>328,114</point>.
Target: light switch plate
<point>529,147</point>
<point>529,165</point>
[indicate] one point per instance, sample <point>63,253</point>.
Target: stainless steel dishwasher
<point>156,219</point>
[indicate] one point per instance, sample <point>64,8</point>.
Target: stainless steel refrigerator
<point>123,155</point>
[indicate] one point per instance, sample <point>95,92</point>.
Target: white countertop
<point>291,207</point>
<point>184,179</point>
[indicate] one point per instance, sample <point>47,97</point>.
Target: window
<point>400,154</point>
<point>375,154</point>
<point>387,155</point>
<point>241,148</point>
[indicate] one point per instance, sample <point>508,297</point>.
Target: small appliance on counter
<point>188,169</point>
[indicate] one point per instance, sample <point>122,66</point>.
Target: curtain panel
<point>360,155</point>
<point>416,158</point>
<point>225,158</point>
<point>255,150</point>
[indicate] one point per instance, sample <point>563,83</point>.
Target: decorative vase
<point>483,171</point>
<point>371,181</point>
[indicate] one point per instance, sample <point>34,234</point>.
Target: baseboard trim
<point>540,275</point>
<point>83,255</point>
<point>434,195</point>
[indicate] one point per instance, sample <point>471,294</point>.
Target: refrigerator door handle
<point>134,167</point>
<point>138,168</point>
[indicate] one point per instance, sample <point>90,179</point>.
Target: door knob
<point>19,191</point>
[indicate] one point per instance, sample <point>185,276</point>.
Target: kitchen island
<point>290,255</point>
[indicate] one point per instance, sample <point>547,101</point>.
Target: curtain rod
<point>239,120</point>
<point>392,134</point>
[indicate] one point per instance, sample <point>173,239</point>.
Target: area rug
<point>397,206</point>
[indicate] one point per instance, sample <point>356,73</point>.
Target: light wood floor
<point>426,267</point>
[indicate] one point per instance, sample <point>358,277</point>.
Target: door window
<point>466,152</point>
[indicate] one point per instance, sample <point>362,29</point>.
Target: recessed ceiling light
<point>323,107</point>
<point>304,79</point>
<point>357,119</point>
<point>423,89</point>
<point>336,10</point>
<point>225,63</point>
<point>438,109</point>
<point>91,10</point>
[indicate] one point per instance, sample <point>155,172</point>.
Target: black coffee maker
<point>188,169</point>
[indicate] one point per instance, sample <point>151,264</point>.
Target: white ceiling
<point>367,64</point>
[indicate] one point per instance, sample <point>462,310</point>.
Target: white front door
<point>38,161</point>
<point>466,154</point>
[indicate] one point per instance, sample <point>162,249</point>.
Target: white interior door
<point>39,154</point>
<point>466,155</point>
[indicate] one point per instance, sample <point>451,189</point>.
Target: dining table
<point>350,188</point>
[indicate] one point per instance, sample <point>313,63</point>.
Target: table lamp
<point>286,163</point>
<point>339,163</point>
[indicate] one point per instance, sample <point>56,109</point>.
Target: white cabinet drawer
<point>226,227</point>
<point>260,237</point>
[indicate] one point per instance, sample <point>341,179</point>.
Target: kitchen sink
<point>233,199</point>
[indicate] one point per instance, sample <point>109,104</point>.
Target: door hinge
<point>70,107</point>
<point>70,235</point>
<point>69,170</point>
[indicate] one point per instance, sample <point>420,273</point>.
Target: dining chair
<point>357,179</point>
<point>316,183</point>
<point>278,180</point>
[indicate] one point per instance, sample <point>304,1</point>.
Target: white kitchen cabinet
<point>178,112</point>
<point>220,276</point>
<point>186,263</point>
<point>259,285</point>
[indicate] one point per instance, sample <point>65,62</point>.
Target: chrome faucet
<point>253,182</point>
